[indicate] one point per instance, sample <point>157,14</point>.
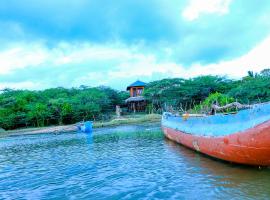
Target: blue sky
<point>97,42</point>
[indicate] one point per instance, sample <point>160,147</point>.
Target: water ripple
<point>127,163</point>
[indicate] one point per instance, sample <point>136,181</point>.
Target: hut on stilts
<point>136,102</point>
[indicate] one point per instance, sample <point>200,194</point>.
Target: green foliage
<point>214,98</point>
<point>37,114</point>
<point>252,90</point>
<point>23,108</point>
<point>265,73</point>
<point>217,98</point>
<point>166,91</point>
<point>186,94</point>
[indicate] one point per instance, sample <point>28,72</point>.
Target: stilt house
<point>136,102</point>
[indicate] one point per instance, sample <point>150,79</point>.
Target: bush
<point>215,98</point>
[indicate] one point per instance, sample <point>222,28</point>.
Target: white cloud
<point>123,65</point>
<point>196,8</point>
<point>255,60</point>
<point>20,85</point>
<point>21,56</point>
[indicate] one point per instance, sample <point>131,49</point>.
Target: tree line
<point>186,94</point>
<point>56,106</point>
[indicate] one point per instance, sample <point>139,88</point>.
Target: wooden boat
<point>243,137</point>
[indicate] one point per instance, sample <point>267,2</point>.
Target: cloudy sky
<point>70,43</point>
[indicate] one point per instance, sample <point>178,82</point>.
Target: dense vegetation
<point>23,108</point>
<point>185,94</point>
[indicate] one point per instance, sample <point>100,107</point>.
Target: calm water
<point>128,162</point>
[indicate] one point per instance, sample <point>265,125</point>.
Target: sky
<point>68,43</point>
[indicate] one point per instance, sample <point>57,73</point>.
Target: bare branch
<point>236,105</point>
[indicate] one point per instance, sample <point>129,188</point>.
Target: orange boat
<point>242,138</point>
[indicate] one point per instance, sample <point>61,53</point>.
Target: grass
<point>130,119</point>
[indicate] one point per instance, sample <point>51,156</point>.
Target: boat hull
<point>251,146</point>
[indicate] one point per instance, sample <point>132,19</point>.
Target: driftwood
<point>236,105</point>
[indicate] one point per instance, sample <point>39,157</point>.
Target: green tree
<point>252,90</point>
<point>265,73</point>
<point>37,113</point>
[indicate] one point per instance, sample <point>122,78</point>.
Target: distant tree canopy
<point>23,108</point>
<point>187,93</point>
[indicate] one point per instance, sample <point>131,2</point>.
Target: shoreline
<point>125,120</point>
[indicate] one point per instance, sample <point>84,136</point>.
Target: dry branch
<point>236,105</point>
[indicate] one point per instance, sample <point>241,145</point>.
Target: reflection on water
<point>228,179</point>
<point>127,162</point>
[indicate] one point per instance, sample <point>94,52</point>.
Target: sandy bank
<point>132,119</point>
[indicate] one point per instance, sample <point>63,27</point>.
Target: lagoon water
<point>127,162</point>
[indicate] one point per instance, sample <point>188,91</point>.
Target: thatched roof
<point>137,84</point>
<point>135,99</point>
